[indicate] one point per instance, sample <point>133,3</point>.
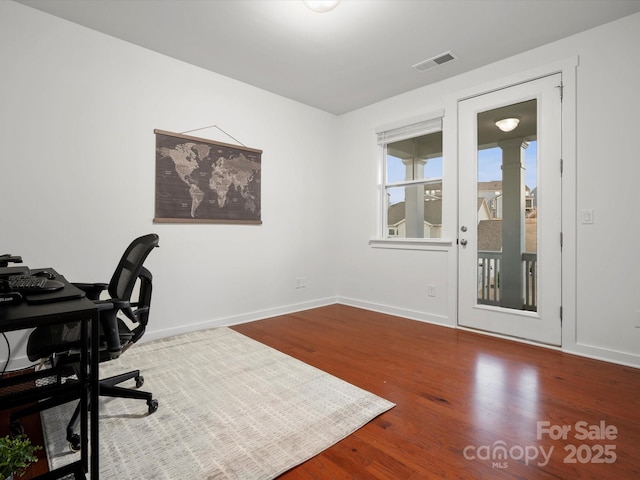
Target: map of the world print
<point>199,180</point>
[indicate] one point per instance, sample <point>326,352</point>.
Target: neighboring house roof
<point>490,235</point>
<point>396,213</point>
<point>493,186</point>
<point>432,212</point>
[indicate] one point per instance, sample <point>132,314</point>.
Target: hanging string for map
<point>215,126</point>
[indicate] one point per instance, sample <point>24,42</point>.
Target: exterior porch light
<point>507,124</point>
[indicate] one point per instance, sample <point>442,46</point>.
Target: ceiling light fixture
<point>321,6</point>
<point>507,124</point>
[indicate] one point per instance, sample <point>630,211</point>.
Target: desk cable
<point>6,364</point>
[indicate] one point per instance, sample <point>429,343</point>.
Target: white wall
<point>77,114</point>
<point>602,168</point>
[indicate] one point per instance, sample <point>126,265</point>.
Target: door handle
<point>463,242</point>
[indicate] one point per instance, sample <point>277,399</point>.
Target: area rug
<point>229,408</point>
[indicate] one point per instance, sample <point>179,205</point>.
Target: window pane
<point>433,168</point>
<point>414,211</point>
<point>395,206</point>
<point>395,170</point>
<point>414,158</point>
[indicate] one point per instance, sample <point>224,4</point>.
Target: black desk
<point>25,316</point>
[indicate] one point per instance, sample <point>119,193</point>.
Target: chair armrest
<point>93,290</point>
<point>114,303</point>
<point>109,309</point>
<point>103,305</point>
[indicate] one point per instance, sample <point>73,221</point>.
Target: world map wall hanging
<point>202,181</point>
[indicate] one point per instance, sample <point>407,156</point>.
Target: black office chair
<point>60,343</point>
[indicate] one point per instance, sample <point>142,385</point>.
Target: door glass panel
<point>507,189</point>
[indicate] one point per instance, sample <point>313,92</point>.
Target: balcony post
<point>513,223</point>
<point>414,198</point>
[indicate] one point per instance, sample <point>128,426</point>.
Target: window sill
<point>433,244</point>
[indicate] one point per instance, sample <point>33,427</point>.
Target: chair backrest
<point>143,305</point>
<point>128,269</point>
<point>49,339</point>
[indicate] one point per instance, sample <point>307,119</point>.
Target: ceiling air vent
<point>434,61</point>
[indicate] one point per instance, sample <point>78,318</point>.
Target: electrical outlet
<point>431,290</point>
<point>301,282</point>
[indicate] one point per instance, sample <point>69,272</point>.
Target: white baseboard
<point>441,320</point>
<point>587,351</point>
<point>20,361</point>
<point>610,356</point>
<point>621,358</point>
<point>238,319</point>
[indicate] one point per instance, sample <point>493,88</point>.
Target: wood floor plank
<point>459,397</point>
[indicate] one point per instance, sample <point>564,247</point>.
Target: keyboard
<point>33,284</point>
<point>26,282</point>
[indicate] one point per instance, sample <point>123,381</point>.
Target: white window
<point>412,180</point>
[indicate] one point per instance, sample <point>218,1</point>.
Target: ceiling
<point>355,55</point>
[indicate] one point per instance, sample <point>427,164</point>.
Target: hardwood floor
<point>461,400</point>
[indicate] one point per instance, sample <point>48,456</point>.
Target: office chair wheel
<point>153,406</point>
<point>15,429</point>
<point>139,381</point>
<point>74,442</point>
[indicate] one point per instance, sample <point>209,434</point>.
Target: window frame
<point>427,124</point>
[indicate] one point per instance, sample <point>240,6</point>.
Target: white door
<point>509,250</point>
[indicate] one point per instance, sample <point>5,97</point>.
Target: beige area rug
<point>229,408</point>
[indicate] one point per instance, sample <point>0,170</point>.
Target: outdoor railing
<point>489,291</point>
<point>530,281</point>
<point>489,277</point>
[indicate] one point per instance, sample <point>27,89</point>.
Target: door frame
<point>544,324</point>
<point>567,68</point>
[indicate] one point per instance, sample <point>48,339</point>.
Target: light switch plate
<point>587,216</point>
